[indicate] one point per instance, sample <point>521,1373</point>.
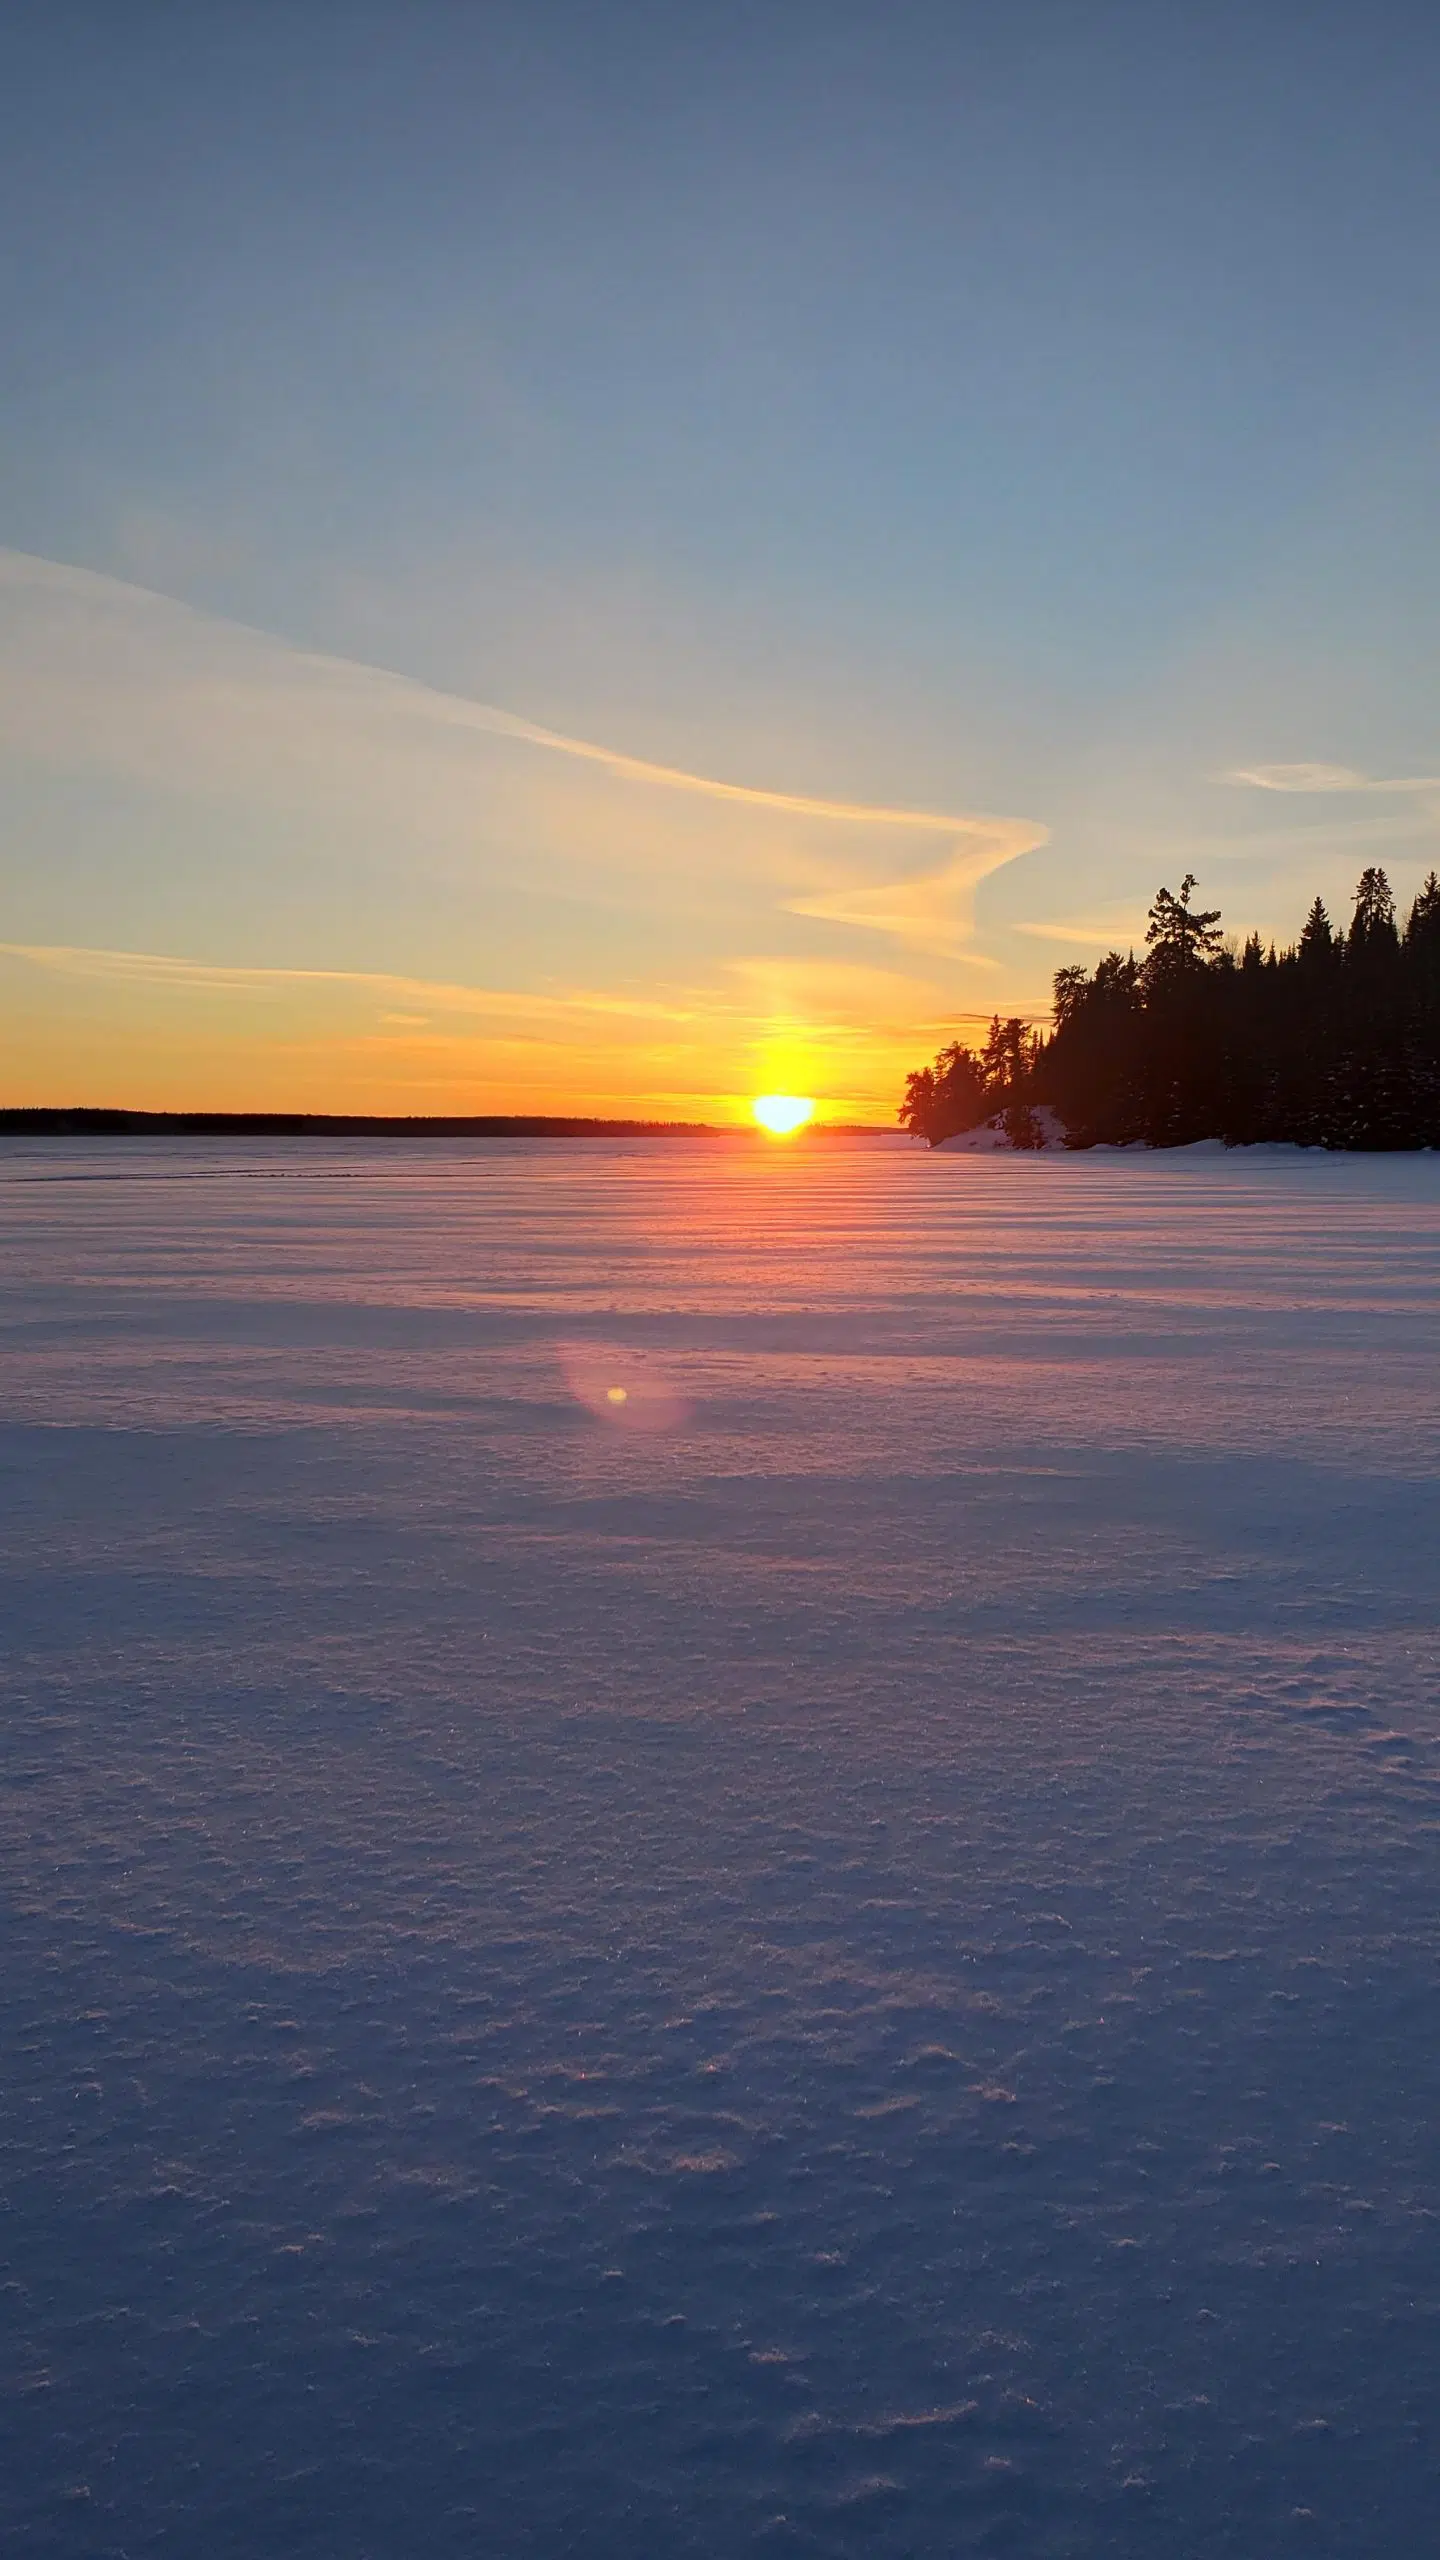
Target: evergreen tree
<point>1005,1059</point>
<point>947,1097</point>
<point>1022,1128</point>
<point>1317,949</point>
<point>1180,940</point>
<point>1422,926</point>
<point>1372,927</point>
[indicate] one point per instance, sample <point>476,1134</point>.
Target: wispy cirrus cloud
<point>103,675</point>
<point>1318,778</point>
<point>1120,930</point>
<point>832,998</point>
<point>931,910</point>
<point>164,971</point>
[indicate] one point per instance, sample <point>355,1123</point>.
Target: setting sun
<point>782,1113</point>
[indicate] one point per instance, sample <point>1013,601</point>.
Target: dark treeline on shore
<point>100,1123</point>
<point>33,1120</point>
<point>1332,1043</point>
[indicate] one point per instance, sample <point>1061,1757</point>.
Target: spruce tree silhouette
<point>1180,941</point>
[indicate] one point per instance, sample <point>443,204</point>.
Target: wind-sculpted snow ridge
<point>833,1953</point>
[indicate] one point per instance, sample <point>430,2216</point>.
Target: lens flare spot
<point>782,1113</point>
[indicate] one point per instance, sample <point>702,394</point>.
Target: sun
<point>782,1113</point>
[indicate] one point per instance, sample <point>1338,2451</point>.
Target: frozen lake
<point>837,1956</point>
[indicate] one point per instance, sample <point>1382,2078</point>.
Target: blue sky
<point>1024,416</point>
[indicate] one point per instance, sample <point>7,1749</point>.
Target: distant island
<point>1333,1042</point>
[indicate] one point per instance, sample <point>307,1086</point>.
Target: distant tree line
<point>1334,1042</point>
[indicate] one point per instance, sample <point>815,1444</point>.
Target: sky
<point>617,557</point>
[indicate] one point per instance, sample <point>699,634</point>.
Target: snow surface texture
<point>837,1956</point>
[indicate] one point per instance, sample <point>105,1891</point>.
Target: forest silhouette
<point>1334,1042</point>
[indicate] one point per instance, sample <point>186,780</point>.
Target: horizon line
<point>122,1120</point>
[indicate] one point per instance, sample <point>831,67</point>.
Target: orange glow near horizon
<point>148,1033</point>
<point>782,1113</point>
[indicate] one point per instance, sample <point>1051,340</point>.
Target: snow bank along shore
<point>991,1138</point>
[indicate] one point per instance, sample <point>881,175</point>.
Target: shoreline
<point>36,1121</point>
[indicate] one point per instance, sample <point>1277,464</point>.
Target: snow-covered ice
<point>832,1952</point>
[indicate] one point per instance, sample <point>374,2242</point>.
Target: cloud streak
<point>159,969</point>
<point>1123,932</point>
<point>22,572</point>
<point>1324,778</point>
<point>667,777</point>
<point>113,675</point>
<point>932,910</point>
